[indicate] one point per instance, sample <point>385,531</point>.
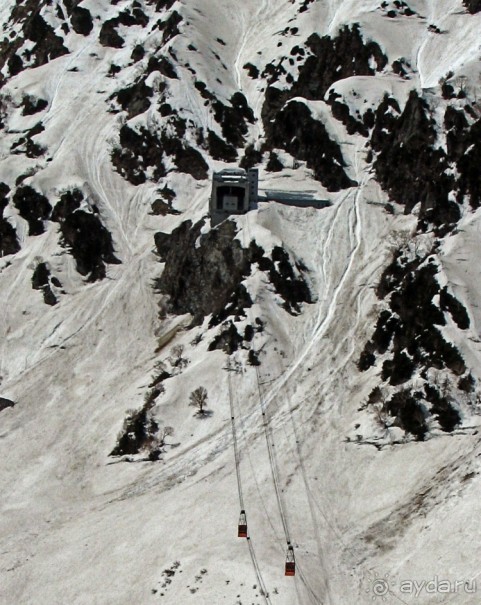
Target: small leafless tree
<point>198,399</point>
<point>155,447</point>
<point>164,432</point>
<point>176,360</point>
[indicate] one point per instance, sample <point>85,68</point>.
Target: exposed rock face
<point>407,336</point>
<point>219,149</point>
<point>138,430</point>
<point>46,44</point>
<point>330,60</point>
<point>473,6</point>
<point>6,403</point>
<point>140,150</point>
<point>408,164</point>
<point>109,35</point>
<point>81,21</point>
<point>8,236</point>
<point>25,144</point>
<point>295,130</point>
<point>289,125</point>
<point>413,168</point>
<point>135,99</point>
<point>201,280</point>
<point>409,325</point>
<point>233,118</point>
<point>334,59</point>
<point>353,125</point>
<point>206,278</point>
<point>88,240</point>
<point>32,105</point>
<point>42,280</point>
<point>33,207</point>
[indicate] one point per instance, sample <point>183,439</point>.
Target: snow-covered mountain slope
<point>339,347</point>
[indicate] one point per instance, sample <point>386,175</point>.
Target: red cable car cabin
<point>242,527</point>
<point>290,562</point>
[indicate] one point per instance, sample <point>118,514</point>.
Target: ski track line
<point>355,230</point>
<point>246,35</point>
<point>322,326</point>
<point>94,164</point>
<point>38,360</point>
<point>51,113</point>
<point>324,285</point>
<point>17,279</point>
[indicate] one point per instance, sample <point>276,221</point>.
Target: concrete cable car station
<point>236,191</point>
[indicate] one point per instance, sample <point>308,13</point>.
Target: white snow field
<point>395,523</point>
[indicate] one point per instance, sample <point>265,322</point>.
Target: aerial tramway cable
<point>242,526</point>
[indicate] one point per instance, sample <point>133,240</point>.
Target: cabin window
<point>230,198</point>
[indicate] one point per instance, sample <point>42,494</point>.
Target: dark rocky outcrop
<point>414,168</point>
<point>252,70</point>
<point>329,60</point>
<point>296,131</point>
<point>109,36</point>
<point>162,64</point>
<point>33,207</point>
<point>8,237</point>
<point>409,325</point>
<point>42,280</point>
<point>138,150</point>
<point>274,164</point>
<point>201,280</point>
<point>6,403</point>
<point>134,99</point>
<point>251,157</point>
<point>395,8</point>
<point>83,232</point>
<point>409,412</point>
<point>408,337</point>
<point>164,204</point>
<point>290,285</point>
<point>170,27</point>
<point>81,20</point>
<point>142,149</point>
<point>161,4</point>
<point>32,105</point>
<point>410,166</point>
<point>353,125</point>
<point>334,59</point>
<point>228,339</point>
<point>203,274</point>
<point>233,119</point>
<point>48,45</point>
<point>219,149</point>
<point>25,144</point>
<point>473,6</point>
<point>32,27</point>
